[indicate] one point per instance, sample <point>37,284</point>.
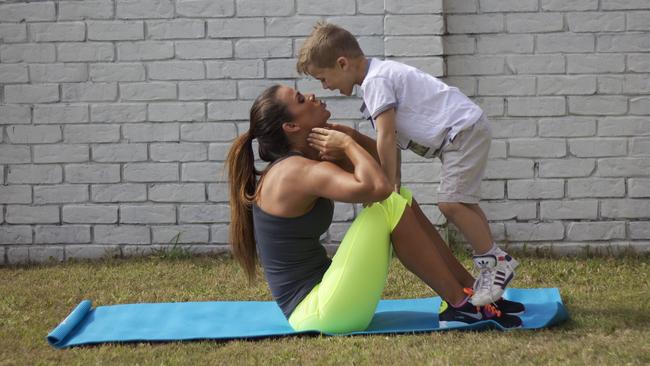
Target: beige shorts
<point>463,163</point>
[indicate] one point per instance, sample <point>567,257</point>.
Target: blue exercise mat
<point>224,320</point>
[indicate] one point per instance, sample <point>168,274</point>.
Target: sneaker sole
<point>451,323</point>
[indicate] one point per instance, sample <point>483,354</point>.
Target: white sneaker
<point>496,271</point>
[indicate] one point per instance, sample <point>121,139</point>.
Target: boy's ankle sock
<point>494,250</point>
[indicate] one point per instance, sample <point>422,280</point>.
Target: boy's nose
<point>324,84</point>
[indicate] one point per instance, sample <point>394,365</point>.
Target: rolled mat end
<point>59,334</point>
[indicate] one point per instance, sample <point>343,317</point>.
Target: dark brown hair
<point>266,117</point>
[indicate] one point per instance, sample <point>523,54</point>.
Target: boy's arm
<point>386,145</point>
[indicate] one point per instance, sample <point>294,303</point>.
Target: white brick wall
<point>116,115</point>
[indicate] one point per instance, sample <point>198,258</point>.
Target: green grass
<point>607,299</point>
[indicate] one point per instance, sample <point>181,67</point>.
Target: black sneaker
<point>450,316</point>
<point>490,312</point>
<point>505,306</point>
<point>509,307</point>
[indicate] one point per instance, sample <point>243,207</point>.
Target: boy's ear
<point>342,62</point>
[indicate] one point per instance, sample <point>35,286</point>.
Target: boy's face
<point>339,77</point>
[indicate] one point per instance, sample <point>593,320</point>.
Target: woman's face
<point>307,111</point>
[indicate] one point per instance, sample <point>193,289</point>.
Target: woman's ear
<point>290,127</point>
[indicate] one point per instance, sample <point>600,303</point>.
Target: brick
<point>127,192</point>
<point>31,214</point>
<point>30,12</point>
<point>459,45</point>
<point>115,30</point>
<point>23,134</point>
<point>228,110</point>
<point>89,92</point>
<point>33,53</point>
<point>15,234</point>
<point>34,254</point>
<point>507,85</point>
<point>625,208</point>
<point>281,68</point>
<point>169,112</point>
<point>173,70</point>
<point>13,73</point>
<point>34,174</point>
<point>109,153</point>
<point>15,194</point>
<point>218,192</point>
<point>58,73</point>
<point>507,5</point>
<point>565,42</point>
<point>188,192</point>
<point>88,9</point>
<point>178,152</point>
<point>117,72</point>
<point>598,105</point>
<point>598,147</point>
<point>15,114</point>
<point>534,23</point>
<point>413,45</point>
<point>250,89</point>
<point>535,188</point>
<point>479,24</point>
<point>491,106</point>
<point>624,4</point>
<point>57,32</point>
<point>92,173</point>
<point>498,44</point>
<point>61,193</point>
<point>610,84</point>
<point>14,154</point>
<point>151,172</point>
<point>640,106</point>
<point>403,25</point>
<point>370,7</point>
<point>181,234</point>
<point>147,50</point>
<point>413,6</point>
<point>207,8</point>
<point>640,147</point>
<point>595,64</point>
<point>148,91</point>
<point>536,106</point>
<point>369,30</point>
<point>566,168</point>
<point>61,153</point>
<point>23,94</point>
<point>315,7</point>
<point>475,65</point>
<point>204,49</point>
<point>596,22</point>
<point>492,190</point>
<point>567,127</point>
<point>148,214</point>
<point>122,234</point>
<point>207,90</point>
<point>562,5</point>
<point>240,69</point>
<point>85,52</point>
<point>92,251</point>
<point>239,27</point>
<point>636,84</point>
<point>176,29</point>
<point>629,42</point>
<point>203,172</point>
<point>595,187</point>
<point>623,167</point>
<point>467,85</point>
<point>638,20</point>
<point>431,65</point>
<point>639,187</point>
<point>265,8</point>
<point>136,9</point>
<point>537,148</point>
<point>520,210</point>
<point>91,133</point>
<point>120,112</point>
<point>509,169</point>
<point>61,113</point>
<point>536,64</point>
<point>563,85</point>
<point>263,48</point>
<point>219,233</point>
<point>640,230</point>
<point>534,231</point>
<point>204,213</point>
<point>148,132</point>
<point>498,150</point>
<point>623,126</point>
<point>569,209</point>
<point>11,33</point>
<point>89,214</point>
<point>460,6</point>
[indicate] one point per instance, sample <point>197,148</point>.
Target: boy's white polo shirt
<point>426,110</point>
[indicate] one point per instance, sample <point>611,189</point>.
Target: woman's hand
<point>329,143</point>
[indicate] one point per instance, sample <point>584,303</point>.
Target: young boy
<point>416,111</point>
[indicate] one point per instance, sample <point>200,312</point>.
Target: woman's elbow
<point>382,189</point>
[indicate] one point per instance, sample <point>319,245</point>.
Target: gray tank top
<point>290,251</point>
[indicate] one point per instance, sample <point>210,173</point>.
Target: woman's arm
<point>366,183</point>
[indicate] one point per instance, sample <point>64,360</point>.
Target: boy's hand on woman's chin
<point>341,128</point>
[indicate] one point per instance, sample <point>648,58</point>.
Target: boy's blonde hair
<point>326,43</point>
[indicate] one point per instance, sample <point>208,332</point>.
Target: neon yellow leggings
<point>346,298</point>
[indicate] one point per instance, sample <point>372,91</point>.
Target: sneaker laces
<point>485,279</point>
<point>492,310</point>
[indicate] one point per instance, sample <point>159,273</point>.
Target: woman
<point>313,163</point>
